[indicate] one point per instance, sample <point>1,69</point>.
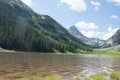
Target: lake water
<point>14,65</point>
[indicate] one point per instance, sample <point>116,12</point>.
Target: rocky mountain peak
<point>18,3</point>
<point>94,42</point>
<point>11,2</point>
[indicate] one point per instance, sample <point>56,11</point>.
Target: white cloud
<point>86,26</point>
<point>114,17</point>
<point>96,4</point>
<point>109,33</point>
<point>28,2</point>
<point>77,5</point>
<point>92,34</point>
<point>102,35</point>
<point>117,2</point>
<point>90,30</point>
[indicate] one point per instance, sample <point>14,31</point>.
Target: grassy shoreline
<point>94,53</point>
<point>99,76</point>
<point>107,53</point>
<point>97,52</point>
<point>100,52</point>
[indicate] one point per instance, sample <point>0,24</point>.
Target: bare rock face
<point>18,2</point>
<point>94,42</point>
<point>11,2</point>
<point>115,38</point>
<point>113,41</point>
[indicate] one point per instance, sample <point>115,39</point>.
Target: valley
<point>35,46</point>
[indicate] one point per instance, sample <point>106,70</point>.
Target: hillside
<point>22,29</point>
<point>112,41</point>
<point>93,42</point>
<point>110,49</point>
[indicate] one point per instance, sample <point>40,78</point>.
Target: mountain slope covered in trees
<point>22,29</point>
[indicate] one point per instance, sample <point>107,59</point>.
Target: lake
<point>13,65</point>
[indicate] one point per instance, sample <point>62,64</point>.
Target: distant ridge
<point>112,41</point>
<point>94,42</point>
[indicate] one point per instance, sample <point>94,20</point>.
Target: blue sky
<point>94,18</point>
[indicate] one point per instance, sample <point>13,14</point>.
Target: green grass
<point>100,76</point>
<point>53,77</point>
<point>39,77</point>
<point>115,76</point>
<point>109,53</point>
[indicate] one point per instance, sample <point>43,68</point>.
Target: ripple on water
<point>93,71</point>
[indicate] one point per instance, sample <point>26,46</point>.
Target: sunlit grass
<point>23,79</point>
<point>100,76</point>
<point>111,53</point>
<point>53,77</point>
<point>115,76</point>
<point>39,77</point>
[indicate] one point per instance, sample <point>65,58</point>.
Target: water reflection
<point>65,65</point>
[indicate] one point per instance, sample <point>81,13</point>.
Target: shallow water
<point>15,65</point>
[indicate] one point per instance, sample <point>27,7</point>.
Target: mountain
<point>75,32</point>
<point>22,29</point>
<point>94,42</point>
<point>112,41</point>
